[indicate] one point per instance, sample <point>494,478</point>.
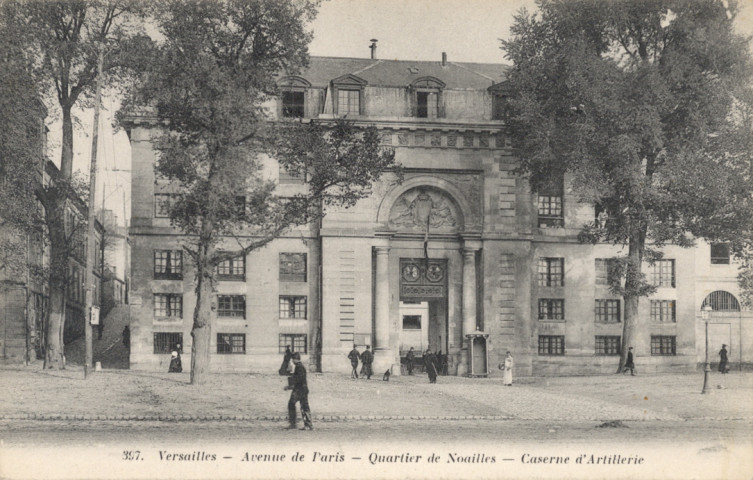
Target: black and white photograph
<point>383,239</point>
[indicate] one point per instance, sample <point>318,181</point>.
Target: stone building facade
<point>460,257</point>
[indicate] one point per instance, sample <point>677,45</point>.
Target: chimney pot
<point>373,47</point>
<point>444,59</point>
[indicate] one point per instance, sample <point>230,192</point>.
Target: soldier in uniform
<point>723,359</point>
<point>410,358</point>
<point>300,393</point>
<point>354,355</point>
<point>430,361</point>
<point>366,359</point>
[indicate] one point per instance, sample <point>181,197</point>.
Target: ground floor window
<point>166,342</point>
<point>607,345</point>
<point>551,344</point>
<point>663,345</point>
<point>228,343</point>
<point>296,342</point>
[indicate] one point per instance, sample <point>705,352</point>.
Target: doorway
<point>423,306</point>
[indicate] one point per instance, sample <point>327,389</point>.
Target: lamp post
<point>706,314</point>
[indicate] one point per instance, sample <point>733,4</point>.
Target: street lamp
<point>706,314</point>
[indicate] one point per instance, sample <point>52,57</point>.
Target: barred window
<point>233,306</point>
<point>604,266</point>
<point>168,305</point>
<point>663,345</point>
<point>231,343</point>
<point>551,344</point>
<point>607,345</point>
<point>607,311</point>
<point>721,301</point>
<point>551,272</point>
<point>550,211</point>
<point>292,307</point>
<point>663,311</point>
<point>296,342</point>
<point>719,254</point>
<point>168,264</point>
<point>551,309</point>
<point>663,273</point>
<point>292,267</point>
<point>166,342</point>
<point>232,269</point>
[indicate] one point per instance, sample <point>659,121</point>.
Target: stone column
<point>469,304</point>
<point>381,347</point>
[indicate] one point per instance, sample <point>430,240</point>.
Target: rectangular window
<point>551,272</point>
<point>551,309</point>
<point>296,342</point>
<point>607,311</point>
<point>292,307</point>
<point>231,343</point>
<point>233,306</point>
<point>719,254</point>
<point>168,305</point>
<point>411,322</point>
<point>550,211</point>
<point>162,204</point>
<point>607,345</point>
<point>348,102</point>
<point>663,345</point>
<point>166,342</point>
<point>604,266</point>
<point>168,264</point>
<point>427,104</point>
<point>663,311</point>
<point>292,104</point>
<point>663,273</point>
<point>232,269</point>
<point>292,267</point>
<point>551,344</point>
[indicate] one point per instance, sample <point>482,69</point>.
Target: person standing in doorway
<point>629,363</point>
<point>723,359</point>
<point>366,360</point>
<point>354,355</point>
<point>507,369</point>
<point>300,393</point>
<point>410,359</point>
<point>430,362</point>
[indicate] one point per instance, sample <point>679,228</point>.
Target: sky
<point>467,30</point>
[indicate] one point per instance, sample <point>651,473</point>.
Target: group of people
<point>366,358</point>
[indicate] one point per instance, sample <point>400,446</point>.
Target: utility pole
<point>91,231</point>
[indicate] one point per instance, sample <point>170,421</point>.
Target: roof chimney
<point>373,48</point>
<point>444,59</point>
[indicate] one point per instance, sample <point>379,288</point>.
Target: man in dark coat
<point>723,359</point>
<point>285,361</point>
<point>410,358</point>
<point>176,365</point>
<point>354,355</point>
<point>300,393</point>
<point>430,361</point>
<point>366,359</point>
<point>629,364</point>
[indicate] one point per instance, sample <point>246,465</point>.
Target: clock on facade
<point>411,272</point>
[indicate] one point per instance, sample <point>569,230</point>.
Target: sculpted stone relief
<point>424,205</point>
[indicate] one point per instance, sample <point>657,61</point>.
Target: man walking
<point>430,361</point>
<point>354,355</point>
<point>366,359</point>
<point>300,393</point>
<point>629,364</point>
<point>723,359</point>
<point>410,358</point>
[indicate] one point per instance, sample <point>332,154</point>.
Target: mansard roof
<point>402,73</point>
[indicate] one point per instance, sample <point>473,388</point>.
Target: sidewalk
<point>31,393</point>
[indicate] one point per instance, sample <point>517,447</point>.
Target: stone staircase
<point>109,350</point>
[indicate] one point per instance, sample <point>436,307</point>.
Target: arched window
<point>721,301</point>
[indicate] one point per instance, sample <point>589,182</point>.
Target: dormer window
<point>347,94</point>
<point>427,97</point>
<point>293,97</point>
<point>500,93</point>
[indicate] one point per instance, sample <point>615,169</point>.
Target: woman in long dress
<point>507,370</point>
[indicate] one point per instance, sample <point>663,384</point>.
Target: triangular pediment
<point>351,80</point>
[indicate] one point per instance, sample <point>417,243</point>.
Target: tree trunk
<point>201,332</point>
<point>66,155</point>
<point>633,277</point>
<point>58,273</point>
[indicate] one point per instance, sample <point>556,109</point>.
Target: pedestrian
<point>366,358</point>
<point>300,393</point>
<point>285,367</point>
<point>354,355</point>
<point>410,358</point>
<point>723,359</point>
<point>507,370</point>
<point>127,337</point>
<point>176,365</point>
<point>629,364</point>
<point>430,362</point>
